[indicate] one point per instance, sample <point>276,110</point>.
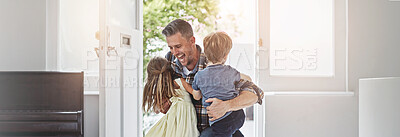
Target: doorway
<point>235,17</point>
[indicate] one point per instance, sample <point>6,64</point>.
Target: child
<point>218,81</point>
<point>180,120</point>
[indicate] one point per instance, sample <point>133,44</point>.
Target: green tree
<point>202,14</point>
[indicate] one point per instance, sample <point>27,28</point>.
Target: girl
<point>180,120</point>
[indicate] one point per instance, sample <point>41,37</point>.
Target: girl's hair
<point>159,84</point>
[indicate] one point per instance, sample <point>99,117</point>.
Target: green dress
<point>180,120</point>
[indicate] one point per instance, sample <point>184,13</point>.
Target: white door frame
<point>102,52</point>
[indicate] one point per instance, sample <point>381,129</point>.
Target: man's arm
<point>249,95</point>
<point>245,77</point>
<point>218,108</point>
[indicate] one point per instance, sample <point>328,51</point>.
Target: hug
<point>200,95</point>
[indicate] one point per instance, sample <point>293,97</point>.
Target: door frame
<point>102,52</point>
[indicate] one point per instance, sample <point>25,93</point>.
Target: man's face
<point>183,49</point>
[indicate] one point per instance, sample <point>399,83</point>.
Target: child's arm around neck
<point>196,93</point>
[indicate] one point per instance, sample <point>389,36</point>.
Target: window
<point>304,45</point>
<point>302,50</point>
<point>301,38</point>
<point>77,41</point>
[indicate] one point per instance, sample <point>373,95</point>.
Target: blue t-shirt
<point>217,81</point>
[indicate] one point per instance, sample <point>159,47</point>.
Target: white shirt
<point>186,71</point>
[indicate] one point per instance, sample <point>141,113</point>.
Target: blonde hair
<point>159,84</point>
<point>216,46</point>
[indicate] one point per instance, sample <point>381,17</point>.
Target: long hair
<point>159,84</point>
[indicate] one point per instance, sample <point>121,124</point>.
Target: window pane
<point>79,22</point>
<point>301,38</point>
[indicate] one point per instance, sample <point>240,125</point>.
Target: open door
<point>121,65</point>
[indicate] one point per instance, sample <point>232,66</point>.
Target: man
<point>189,60</point>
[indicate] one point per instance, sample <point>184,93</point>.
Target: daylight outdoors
<point>205,17</point>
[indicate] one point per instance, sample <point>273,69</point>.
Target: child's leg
<point>229,125</point>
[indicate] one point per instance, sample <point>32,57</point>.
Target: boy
<point>218,81</point>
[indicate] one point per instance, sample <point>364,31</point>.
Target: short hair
<point>180,26</point>
<point>216,46</point>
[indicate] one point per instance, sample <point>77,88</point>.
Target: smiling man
<point>182,47</point>
<point>189,59</point>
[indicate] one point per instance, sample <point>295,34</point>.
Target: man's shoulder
<point>203,59</point>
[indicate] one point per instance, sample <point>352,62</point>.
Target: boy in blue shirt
<point>218,81</point>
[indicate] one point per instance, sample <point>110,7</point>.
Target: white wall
<point>91,115</point>
<point>310,116</point>
<point>23,35</point>
<point>374,41</point>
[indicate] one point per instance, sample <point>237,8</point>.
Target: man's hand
<point>217,109</point>
<point>166,105</point>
